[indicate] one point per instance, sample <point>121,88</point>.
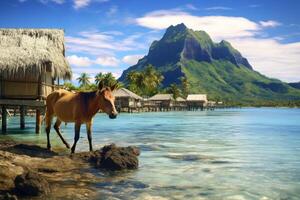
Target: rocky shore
<point>31,172</point>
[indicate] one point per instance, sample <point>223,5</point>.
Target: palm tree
<point>109,79</point>
<point>98,78</point>
<point>145,82</point>
<point>184,86</point>
<point>152,80</point>
<point>174,90</point>
<point>84,79</point>
<point>135,82</point>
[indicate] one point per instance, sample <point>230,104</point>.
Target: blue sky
<point>110,35</point>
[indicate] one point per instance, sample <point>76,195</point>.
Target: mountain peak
<point>178,27</point>
<point>174,33</point>
<point>179,43</point>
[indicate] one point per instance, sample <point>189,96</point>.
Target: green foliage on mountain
<point>213,68</point>
<point>146,82</point>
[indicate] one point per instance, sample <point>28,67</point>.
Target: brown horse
<point>79,108</point>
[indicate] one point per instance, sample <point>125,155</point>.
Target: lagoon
<point>248,153</point>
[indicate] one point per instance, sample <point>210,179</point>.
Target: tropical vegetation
<point>86,85</point>
<point>146,82</point>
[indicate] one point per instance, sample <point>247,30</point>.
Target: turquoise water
<point>221,154</point>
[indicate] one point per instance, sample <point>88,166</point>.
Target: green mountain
<point>217,69</point>
<point>295,85</point>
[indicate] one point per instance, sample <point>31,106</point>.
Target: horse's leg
<point>48,120</point>
<point>56,127</point>
<point>76,138</point>
<point>89,134</point>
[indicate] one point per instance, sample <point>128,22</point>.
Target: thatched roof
<point>161,97</point>
<point>27,52</point>
<point>197,97</point>
<point>180,99</point>
<point>123,92</point>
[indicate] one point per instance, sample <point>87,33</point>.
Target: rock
<point>111,157</point>
<point>118,158</point>
<point>69,178</point>
<point>8,196</point>
<point>8,173</point>
<point>30,150</point>
<point>27,170</point>
<point>31,184</point>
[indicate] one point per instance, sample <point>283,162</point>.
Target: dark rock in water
<point>118,158</point>
<point>31,184</point>
<point>111,157</point>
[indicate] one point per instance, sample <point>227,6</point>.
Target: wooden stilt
<point>38,121</point>
<point>22,117</point>
<point>4,119</point>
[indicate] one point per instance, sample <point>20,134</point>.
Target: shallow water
<point>223,154</point>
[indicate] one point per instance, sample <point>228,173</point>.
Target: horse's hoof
<point>68,146</point>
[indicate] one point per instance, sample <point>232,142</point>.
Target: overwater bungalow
<point>180,103</point>
<point>196,101</point>
<point>31,63</point>
<point>127,101</point>
<point>163,102</point>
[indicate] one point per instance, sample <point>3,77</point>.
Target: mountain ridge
<point>217,69</point>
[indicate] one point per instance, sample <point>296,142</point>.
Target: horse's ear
<point>112,88</point>
<point>101,85</point>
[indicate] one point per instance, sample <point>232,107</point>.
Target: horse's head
<point>107,100</point>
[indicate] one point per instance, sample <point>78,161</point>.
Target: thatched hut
<point>196,101</point>
<point>180,103</point>
<point>30,61</point>
<point>162,101</point>
<point>127,100</point>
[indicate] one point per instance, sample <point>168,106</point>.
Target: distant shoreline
<point>31,112</point>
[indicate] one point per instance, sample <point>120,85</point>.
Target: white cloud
<point>266,55</point>
<point>218,8</point>
<point>81,3</point>
<point>102,43</point>
<point>216,26</point>
<point>107,61</point>
<point>271,57</point>
<point>269,23</point>
<point>77,4</point>
<point>132,59</point>
<point>78,61</point>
